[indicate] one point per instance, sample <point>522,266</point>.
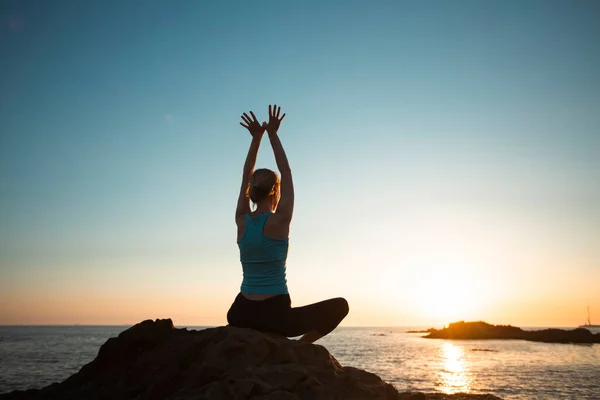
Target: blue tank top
<point>263,258</point>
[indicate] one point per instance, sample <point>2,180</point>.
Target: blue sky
<point>423,136</point>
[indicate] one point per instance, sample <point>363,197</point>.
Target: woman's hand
<point>253,126</point>
<point>274,120</point>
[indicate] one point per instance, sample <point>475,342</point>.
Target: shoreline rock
<point>154,360</point>
<point>482,330</point>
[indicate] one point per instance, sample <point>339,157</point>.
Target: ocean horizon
<point>408,327</point>
<point>34,356</point>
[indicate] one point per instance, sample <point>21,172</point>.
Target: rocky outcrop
<point>483,330</point>
<point>154,360</point>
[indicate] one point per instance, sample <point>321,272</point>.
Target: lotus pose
<point>262,235</point>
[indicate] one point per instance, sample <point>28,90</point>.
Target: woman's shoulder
<point>240,220</point>
<point>277,227</point>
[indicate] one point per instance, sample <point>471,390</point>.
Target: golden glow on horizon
<point>454,376</point>
<point>429,287</point>
<point>447,292</point>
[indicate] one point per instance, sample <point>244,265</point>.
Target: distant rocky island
<point>483,330</point>
<point>154,360</point>
<point>421,331</point>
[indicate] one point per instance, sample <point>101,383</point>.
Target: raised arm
<point>285,208</point>
<point>256,130</point>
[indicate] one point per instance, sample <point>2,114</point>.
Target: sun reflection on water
<point>454,376</point>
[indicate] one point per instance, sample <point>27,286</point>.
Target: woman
<point>263,302</point>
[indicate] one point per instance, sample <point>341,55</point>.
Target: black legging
<point>276,314</point>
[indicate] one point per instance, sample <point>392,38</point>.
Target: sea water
<point>35,356</point>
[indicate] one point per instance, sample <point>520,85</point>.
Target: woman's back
<point>274,226</point>
<point>263,258</point>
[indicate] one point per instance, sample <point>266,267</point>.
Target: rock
<point>154,360</point>
<point>422,331</point>
<point>483,330</point>
<point>459,396</point>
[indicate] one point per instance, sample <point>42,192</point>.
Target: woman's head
<point>264,186</point>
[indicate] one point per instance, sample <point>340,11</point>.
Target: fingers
<point>274,111</point>
<point>246,118</point>
<point>249,122</point>
<point>245,126</point>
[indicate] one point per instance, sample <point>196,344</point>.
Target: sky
<point>445,157</point>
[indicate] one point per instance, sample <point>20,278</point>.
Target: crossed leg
<point>316,320</point>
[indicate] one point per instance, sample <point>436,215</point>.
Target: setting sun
<point>445,294</point>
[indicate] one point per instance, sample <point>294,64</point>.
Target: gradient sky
<point>446,157</point>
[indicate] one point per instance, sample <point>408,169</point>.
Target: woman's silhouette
<point>262,236</point>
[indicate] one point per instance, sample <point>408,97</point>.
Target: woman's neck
<point>262,209</point>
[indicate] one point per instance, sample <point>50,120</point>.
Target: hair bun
<point>263,183</point>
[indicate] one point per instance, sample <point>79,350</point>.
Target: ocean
<point>36,356</point>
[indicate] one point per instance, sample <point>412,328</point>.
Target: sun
<point>444,294</point>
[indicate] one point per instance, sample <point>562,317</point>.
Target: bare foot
<point>310,337</point>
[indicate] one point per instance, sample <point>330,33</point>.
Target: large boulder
<point>154,360</point>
